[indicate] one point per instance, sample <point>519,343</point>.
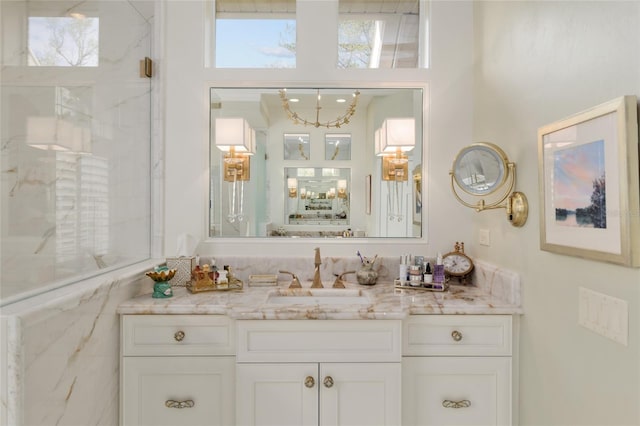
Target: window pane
<point>255,34</point>
<point>378,34</point>
<point>63,41</point>
<point>255,43</point>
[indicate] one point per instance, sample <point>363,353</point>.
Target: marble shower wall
<point>60,359</point>
<point>82,206</point>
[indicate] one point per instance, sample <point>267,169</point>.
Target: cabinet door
<point>456,391</point>
<point>177,391</point>
<point>277,394</point>
<point>360,394</point>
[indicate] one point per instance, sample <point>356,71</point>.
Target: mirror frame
<point>341,245</point>
<point>336,198</point>
<point>496,153</point>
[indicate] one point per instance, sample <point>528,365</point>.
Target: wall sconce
<point>303,193</point>
<point>342,188</point>
<point>397,134</point>
<point>236,138</point>
<point>49,133</point>
<point>396,137</point>
<point>56,134</point>
<point>292,184</point>
<point>331,193</point>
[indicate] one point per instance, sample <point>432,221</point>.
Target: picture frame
<point>589,184</point>
<point>337,146</point>
<point>297,146</point>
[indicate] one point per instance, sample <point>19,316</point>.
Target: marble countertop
<point>384,301</point>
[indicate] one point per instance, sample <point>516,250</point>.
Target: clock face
<point>457,264</point>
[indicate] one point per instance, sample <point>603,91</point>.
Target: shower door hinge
<point>146,67</point>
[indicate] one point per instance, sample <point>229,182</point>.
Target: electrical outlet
<point>484,237</point>
<point>605,315</point>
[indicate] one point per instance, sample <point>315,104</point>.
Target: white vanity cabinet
<point>318,372</point>
<point>457,370</point>
<point>213,370</point>
<point>177,370</point>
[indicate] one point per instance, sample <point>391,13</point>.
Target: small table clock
<point>457,264</point>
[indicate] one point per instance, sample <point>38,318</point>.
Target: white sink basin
<point>318,296</point>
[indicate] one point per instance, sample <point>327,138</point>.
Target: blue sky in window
<point>254,43</point>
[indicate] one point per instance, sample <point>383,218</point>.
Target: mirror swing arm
<point>515,202</point>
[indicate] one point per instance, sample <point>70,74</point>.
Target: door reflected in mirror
<point>322,178</point>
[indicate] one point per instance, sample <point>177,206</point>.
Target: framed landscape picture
<point>589,190</point>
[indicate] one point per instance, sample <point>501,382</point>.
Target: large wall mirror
<point>316,162</point>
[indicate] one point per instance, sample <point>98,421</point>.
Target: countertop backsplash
<point>494,280</point>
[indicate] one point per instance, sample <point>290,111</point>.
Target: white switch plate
<point>484,237</point>
<point>605,315</point>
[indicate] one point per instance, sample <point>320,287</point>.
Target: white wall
<point>538,62</point>
<point>186,129</point>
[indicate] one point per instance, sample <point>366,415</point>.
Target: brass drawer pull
<point>179,336</point>
<point>309,382</point>
<point>456,335</point>
<point>328,382</point>
<point>170,403</point>
<point>465,403</point>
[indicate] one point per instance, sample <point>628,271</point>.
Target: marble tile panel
<point>62,351</point>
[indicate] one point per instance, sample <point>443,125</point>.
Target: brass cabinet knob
<point>328,382</point>
<point>179,336</point>
<point>170,403</point>
<point>309,382</point>
<point>465,403</point>
<point>456,335</point>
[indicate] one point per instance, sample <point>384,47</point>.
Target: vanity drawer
<point>456,391</point>
<point>468,335</point>
<point>319,341</point>
<point>168,391</point>
<point>158,335</point>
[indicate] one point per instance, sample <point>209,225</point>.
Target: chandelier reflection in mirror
<point>337,122</point>
<point>392,141</point>
<point>236,138</point>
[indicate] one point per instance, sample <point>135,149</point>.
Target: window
<point>260,34</point>
<point>378,34</point>
<point>63,41</point>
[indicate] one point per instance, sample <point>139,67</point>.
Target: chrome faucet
<point>317,282</point>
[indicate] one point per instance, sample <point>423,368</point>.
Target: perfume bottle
<point>438,271</point>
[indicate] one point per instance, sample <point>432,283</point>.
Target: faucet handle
<point>339,282</point>
<point>295,282</point>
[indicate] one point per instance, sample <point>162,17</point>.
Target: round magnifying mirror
<point>480,168</point>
